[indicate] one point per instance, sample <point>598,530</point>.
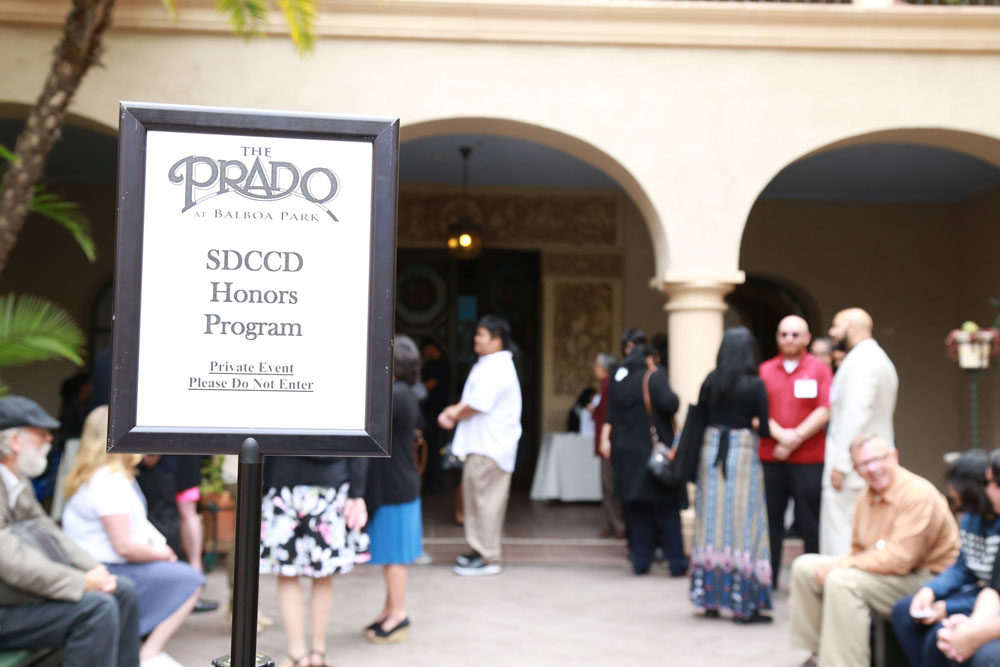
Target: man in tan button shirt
<point>903,533</point>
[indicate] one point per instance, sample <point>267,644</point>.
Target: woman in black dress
<point>731,564</point>
<point>651,508</point>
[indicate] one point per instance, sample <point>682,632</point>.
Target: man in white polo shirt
<point>487,423</point>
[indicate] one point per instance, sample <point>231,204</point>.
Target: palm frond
<point>66,213</point>
<point>34,329</point>
<point>6,154</point>
<point>171,6</point>
<point>246,16</point>
<point>301,18</point>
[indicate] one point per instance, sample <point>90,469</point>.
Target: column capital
<point>697,291</point>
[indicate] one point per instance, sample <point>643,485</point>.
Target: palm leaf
<point>7,155</point>
<point>246,16</point>
<point>33,329</point>
<point>66,213</point>
<point>301,17</point>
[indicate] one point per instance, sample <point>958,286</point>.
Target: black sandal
<point>400,633</point>
<point>322,656</point>
<point>297,662</point>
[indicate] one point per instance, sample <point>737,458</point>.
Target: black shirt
<point>737,407</point>
<point>326,471</point>
<point>395,480</point>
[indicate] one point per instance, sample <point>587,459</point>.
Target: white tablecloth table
<point>567,469</point>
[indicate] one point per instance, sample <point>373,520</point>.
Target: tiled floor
<point>564,598</point>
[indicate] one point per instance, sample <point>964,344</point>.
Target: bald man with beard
<point>798,399</point>
<point>862,400</point>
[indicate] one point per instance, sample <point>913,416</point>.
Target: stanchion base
<point>226,661</point>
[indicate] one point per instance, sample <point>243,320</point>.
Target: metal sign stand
<point>249,487</point>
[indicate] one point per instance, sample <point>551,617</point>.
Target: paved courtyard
<point>564,599</point>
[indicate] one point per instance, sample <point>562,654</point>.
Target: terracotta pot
<point>218,517</point>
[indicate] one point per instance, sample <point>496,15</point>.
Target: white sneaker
<point>476,568</point>
<point>160,660</point>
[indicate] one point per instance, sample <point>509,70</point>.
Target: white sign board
<point>255,282</point>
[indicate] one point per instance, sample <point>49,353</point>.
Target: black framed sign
<point>254,278</point>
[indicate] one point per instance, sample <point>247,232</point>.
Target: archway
<point>541,204</point>
<point>900,222</point>
<point>82,168</point>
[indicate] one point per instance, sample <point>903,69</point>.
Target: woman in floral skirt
<point>310,504</point>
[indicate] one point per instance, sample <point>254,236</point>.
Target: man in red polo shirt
<point>798,398</point>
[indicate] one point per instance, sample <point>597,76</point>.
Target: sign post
<point>254,276</point>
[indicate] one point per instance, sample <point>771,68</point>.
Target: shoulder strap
<point>654,437</point>
<point>645,391</point>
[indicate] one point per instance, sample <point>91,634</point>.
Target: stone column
<point>695,309</point>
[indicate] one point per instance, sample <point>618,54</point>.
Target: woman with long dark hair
<point>730,559</point>
<point>917,619</point>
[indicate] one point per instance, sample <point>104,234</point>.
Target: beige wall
<point>698,131</point>
<point>909,266</point>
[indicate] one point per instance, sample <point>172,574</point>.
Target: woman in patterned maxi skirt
<point>730,564</point>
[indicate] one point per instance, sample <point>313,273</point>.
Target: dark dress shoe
<point>754,618</point>
<point>204,605</point>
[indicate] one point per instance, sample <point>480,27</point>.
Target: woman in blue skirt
<point>393,495</point>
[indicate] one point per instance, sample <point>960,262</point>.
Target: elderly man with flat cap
<point>862,400</point>
<point>52,593</point>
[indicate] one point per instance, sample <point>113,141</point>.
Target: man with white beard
<point>52,593</point>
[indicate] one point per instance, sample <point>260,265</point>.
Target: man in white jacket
<point>862,400</point>
<point>487,423</point>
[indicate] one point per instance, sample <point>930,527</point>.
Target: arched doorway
<point>46,261</point>
<point>567,257</point>
<point>901,223</point>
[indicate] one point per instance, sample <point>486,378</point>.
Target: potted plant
<point>218,509</point>
<point>971,346</point>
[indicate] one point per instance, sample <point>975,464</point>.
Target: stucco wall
<point>700,130</point>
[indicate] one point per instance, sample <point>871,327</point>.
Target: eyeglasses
<point>861,465</point>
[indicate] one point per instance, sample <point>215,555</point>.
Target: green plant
<point>66,213</point>
<point>211,476</point>
<point>33,329</point>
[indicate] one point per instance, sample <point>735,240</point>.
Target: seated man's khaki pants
<point>835,620</point>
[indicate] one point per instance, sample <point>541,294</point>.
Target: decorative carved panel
<point>607,266</point>
<point>512,219</point>
<point>582,329</point>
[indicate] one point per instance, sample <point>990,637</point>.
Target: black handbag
<point>451,461</point>
<point>662,463</point>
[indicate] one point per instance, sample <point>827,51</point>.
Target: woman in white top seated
<point>105,514</point>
